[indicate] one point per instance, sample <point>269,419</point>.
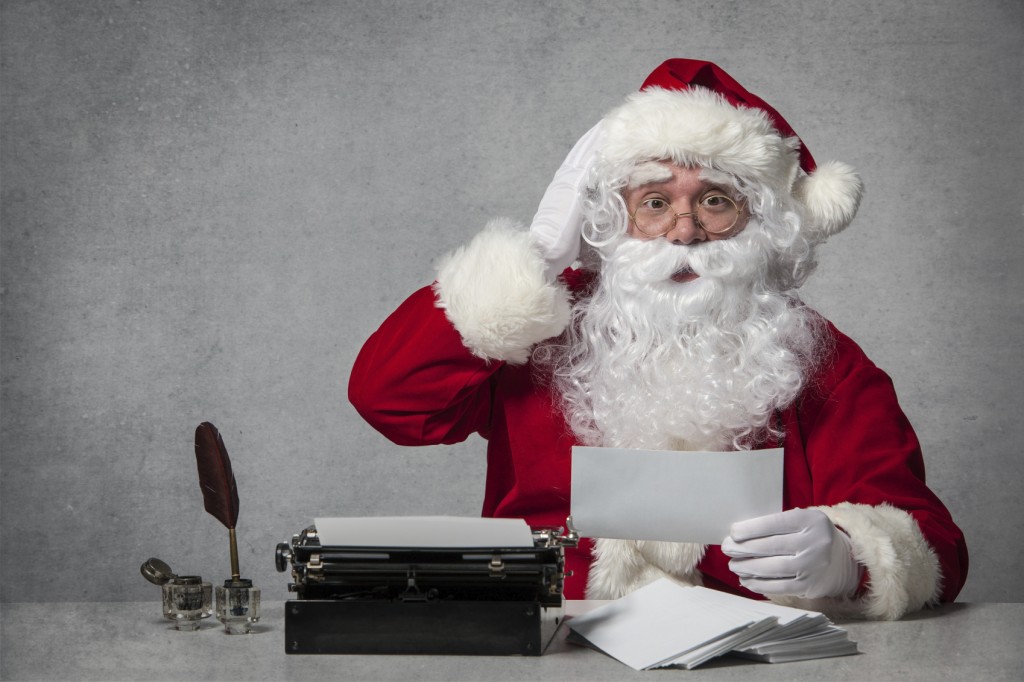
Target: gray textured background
<point>208,206</point>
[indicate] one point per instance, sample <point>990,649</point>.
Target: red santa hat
<point>696,114</point>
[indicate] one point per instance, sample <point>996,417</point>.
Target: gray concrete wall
<point>208,206</point>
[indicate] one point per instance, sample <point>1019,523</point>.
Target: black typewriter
<point>379,599</point>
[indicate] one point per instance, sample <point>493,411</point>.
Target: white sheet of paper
<point>423,531</point>
<point>673,496</point>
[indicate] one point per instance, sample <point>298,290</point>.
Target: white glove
<point>797,552</point>
<point>556,227</point>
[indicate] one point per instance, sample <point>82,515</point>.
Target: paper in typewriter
<point>672,496</point>
<point>423,532</point>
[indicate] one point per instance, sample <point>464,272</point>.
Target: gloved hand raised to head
<point>798,553</point>
<point>556,227</point>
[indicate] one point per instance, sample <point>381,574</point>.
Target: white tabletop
<point>131,641</point>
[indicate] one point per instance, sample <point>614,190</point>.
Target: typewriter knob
<point>282,556</point>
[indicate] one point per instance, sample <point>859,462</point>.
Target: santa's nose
<point>686,230</point>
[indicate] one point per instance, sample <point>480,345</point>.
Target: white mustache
<point>657,260</point>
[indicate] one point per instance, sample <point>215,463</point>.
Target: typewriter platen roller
<point>373,598</point>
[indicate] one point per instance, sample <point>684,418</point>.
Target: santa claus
<point>676,326</point>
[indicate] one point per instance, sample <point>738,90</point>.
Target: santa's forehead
<point>649,172</point>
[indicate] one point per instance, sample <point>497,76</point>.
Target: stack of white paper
<point>666,624</point>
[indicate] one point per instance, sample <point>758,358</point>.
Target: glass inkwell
<point>238,605</point>
<point>187,599</point>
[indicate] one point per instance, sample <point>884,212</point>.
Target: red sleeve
<point>860,448</point>
<point>415,382</point>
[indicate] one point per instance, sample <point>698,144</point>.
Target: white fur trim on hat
<point>699,127</point>
<point>495,292</point>
<point>903,570</point>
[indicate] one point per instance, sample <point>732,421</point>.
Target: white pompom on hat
<point>694,113</point>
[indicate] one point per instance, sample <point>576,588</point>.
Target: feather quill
<point>217,481</point>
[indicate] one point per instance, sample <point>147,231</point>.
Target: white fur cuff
<point>495,292</point>
<point>903,569</point>
<point>622,566</point>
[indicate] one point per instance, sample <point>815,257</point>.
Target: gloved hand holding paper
<point>671,496</point>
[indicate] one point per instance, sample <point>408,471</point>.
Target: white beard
<point>704,365</point>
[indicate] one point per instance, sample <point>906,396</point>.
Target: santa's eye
<point>717,202</point>
<point>654,205</point>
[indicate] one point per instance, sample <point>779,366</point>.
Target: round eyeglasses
<point>715,214</point>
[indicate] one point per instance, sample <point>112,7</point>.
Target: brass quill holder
<point>238,602</point>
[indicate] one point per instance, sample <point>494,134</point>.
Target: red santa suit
<point>454,360</point>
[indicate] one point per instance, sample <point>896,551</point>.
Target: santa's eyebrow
<point>649,173</point>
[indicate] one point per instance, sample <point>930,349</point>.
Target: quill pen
<point>217,481</point>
